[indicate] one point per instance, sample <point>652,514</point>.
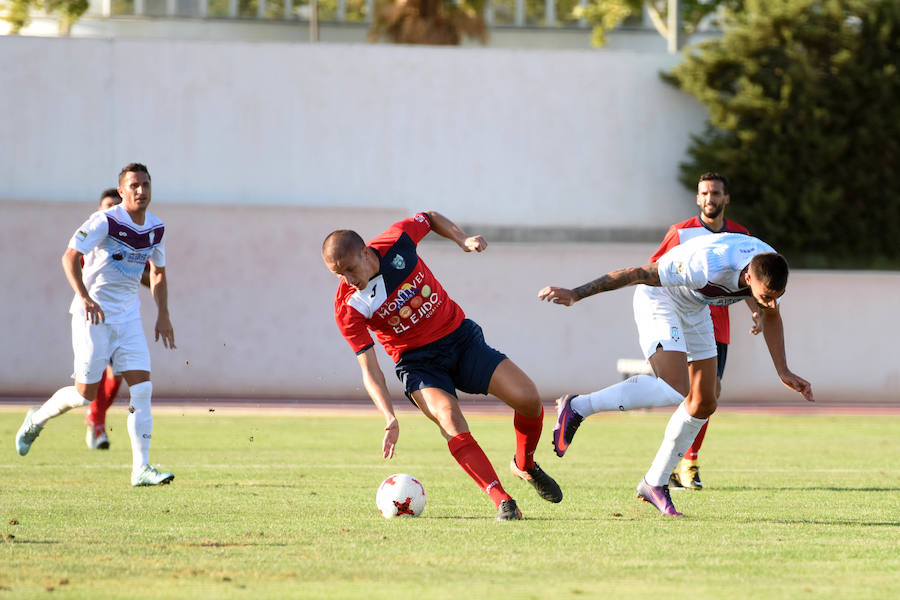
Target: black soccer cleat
<point>508,511</point>
<point>545,485</point>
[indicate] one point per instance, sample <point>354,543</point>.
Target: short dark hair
<point>111,193</point>
<point>133,168</point>
<point>341,243</point>
<point>712,176</point>
<point>771,269</point>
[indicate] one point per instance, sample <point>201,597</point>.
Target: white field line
<point>397,466</point>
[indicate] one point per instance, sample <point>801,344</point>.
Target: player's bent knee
<point>700,407</point>
<point>527,403</point>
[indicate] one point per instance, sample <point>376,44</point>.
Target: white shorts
<point>123,345</point>
<point>661,323</point>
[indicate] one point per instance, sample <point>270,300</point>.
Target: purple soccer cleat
<point>658,496</point>
<point>567,422</point>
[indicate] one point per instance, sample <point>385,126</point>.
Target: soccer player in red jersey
<point>95,417</point>
<point>387,289</point>
<point>712,198</point>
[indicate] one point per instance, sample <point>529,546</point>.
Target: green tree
<point>18,12</point>
<point>606,15</point>
<point>804,119</point>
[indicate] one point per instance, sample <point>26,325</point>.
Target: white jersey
<point>706,269</point>
<point>115,252</point>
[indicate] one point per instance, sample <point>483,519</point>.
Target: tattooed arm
<point>648,275</point>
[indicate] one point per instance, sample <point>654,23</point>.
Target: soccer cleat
<point>674,482</point>
<point>508,511</point>
<point>687,475</point>
<point>150,476</point>
<point>27,433</point>
<point>658,496</point>
<point>96,438</point>
<point>567,422</point>
<point>545,486</point>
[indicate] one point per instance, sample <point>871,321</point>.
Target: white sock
<point>640,391</point>
<point>63,400</point>
<point>140,424</point>
<point>680,434</point>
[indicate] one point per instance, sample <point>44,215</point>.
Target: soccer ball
<point>400,495</point>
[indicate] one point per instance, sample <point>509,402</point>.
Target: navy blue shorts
<point>461,360</point>
<point>721,356</point>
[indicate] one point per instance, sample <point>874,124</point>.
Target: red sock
<point>106,395</point>
<point>528,434</point>
<point>694,450</point>
<point>475,463</point>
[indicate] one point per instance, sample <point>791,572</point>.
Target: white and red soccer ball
<point>400,495</point>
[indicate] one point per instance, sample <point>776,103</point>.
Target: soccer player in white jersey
<point>106,320</point>
<point>675,331</point>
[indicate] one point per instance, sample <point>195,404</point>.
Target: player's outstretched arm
<point>444,227</point>
<point>376,386</point>
<point>773,332</point>
<point>71,262</point>
<point>648,275</point>
<point>159,288</point>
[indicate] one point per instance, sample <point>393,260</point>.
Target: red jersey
<point>403,304</point>
<point>686,230</point>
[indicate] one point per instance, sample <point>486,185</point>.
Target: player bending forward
<point>713,198</point>
<point>106,320</point>
<point>385,287</point>
<point>675,332</point>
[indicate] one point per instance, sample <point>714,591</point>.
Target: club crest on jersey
<point>81,235</point>
<point>152,234</point>
<point>676,334</point>
<point>679,267</point>
<point>398,262</point>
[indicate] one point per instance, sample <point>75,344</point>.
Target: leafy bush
<point>18,12</point>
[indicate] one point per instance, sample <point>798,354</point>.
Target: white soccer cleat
<point>96,438</point>
<point>27,433</point>
<point>150,476</point>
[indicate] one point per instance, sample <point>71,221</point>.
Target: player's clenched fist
<point>558,295</point>
<point>476,243</point>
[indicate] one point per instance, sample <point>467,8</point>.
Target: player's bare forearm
<point>648,275</point>
<point>159,289</point>
<point>757,325</point>
<point>71,263</point>
<point>375,384</point>
<point>773,332</point>
<point>444,227</point>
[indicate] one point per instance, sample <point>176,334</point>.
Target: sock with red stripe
<point>694,450</point>
<point>528,434</point>
<point>475,463</point>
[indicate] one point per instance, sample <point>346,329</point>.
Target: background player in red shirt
<point>95,417</point>
<point>712,198</point>
<point>387,289</point>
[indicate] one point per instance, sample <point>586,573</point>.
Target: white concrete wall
<point>568,137</point>
<point>92,25</point>
<point>251,304</point>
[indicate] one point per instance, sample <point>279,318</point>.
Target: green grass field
<point>282,506</point>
